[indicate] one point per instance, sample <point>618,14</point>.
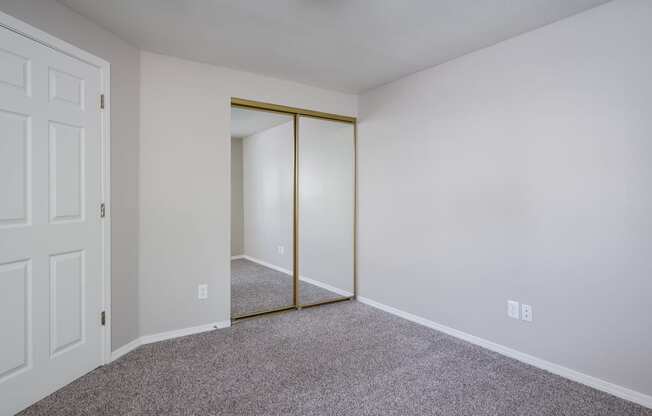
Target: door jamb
<point>104,67</point>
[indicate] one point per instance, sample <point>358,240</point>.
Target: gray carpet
<point>256,288</point>
<point>339,359</point>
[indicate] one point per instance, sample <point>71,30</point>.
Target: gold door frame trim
<point>259,105</point>
<point>295,215</point>
<point>296,112</point>
<point>355,210</point>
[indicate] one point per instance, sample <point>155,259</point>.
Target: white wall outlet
<point>202,291</point>
<point>281,249</point>
<point>526,312</point>
<point>513,309</point>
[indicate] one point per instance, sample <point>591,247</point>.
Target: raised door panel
<point>67,276</point>
<point>15,318</point>
<point>14,71</point>
<point>66,88</point>
<point>66,172</point>
<point>14,169</point>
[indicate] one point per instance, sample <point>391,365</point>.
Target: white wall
<point>237,210</point>
<point>60,21</point>
<point>522,171</point>
<point>267,178</point>
<point>185,182</point>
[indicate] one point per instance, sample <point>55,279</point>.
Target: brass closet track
<point>296,112</point>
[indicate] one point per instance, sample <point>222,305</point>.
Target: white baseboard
<point>162,336</point>
<point>239,256</point>
<point>125,349</point>
<point>326,286</point>
<point>302,278</point>
<point>267,264</point>
<point>596,383</point>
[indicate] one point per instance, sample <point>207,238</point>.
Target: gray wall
<point>522,171</point>
<point>267,194</point>
<point>237,213</point>
<point>59,21</point>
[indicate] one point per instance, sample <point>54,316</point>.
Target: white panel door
<point>50,230</point>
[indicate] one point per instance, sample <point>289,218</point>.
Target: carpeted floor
<point>341,359</point>
<point>256,288</point>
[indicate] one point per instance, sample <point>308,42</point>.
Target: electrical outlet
<point>202,291</point>
<point>526,312</point>
<point>281,249</point>
<point>513,309</point>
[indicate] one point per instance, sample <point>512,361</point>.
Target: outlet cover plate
<point>202,291</point>
<point>513,309</point>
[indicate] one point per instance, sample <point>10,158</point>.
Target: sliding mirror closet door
<point>326,179</point>
<point>262,189</point>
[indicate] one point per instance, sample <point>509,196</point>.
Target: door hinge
<point>102,210</point>
<point>103,318</point>
<point>102,101</point>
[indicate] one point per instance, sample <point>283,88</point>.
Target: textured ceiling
<point>245,122</point>
<point>346,45</point>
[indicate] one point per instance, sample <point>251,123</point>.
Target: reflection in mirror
<point>326,212</point>
<point>262,154</point>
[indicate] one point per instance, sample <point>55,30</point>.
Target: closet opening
<point>293,208</point>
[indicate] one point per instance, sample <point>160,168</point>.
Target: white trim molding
<point>314,282</point>
<point>126,349</point>
<point>266,264</point>
<point>596,383</point>
<point>162,336</point>
<point>326,286</point>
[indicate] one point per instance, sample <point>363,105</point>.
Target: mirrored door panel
<point>262,189</point>
<point>326,181</point>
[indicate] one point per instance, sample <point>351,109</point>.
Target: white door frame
<point>104,67</point>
